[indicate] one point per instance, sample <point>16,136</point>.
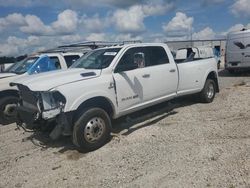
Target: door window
<point>156,55</point>
<point>54,60</point>
<point>70,59</point>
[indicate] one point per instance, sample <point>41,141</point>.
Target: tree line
<point>5,60</point>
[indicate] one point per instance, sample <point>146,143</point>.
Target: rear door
<point>162,75</point>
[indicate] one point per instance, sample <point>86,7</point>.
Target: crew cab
<point>106,84</point>
<point>33,64</point>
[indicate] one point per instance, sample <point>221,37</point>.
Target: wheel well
<point>100,102</point>
<point>213,76</point>
<point>9,93</point>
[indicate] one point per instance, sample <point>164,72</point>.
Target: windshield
<point>97,59</point>
<point>22,66</point>
<point>43,64</point>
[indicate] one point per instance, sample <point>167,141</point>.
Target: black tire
<point>208,92</point>
<point>4,118</point>
<point>80,132</point>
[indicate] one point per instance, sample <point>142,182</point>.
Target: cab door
<point>128,78</point>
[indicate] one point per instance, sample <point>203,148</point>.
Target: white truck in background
<point>106,84</point>
<point>237,56</point>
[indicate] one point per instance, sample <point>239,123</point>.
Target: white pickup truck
<point>106,84</point>
<point>31,65</point>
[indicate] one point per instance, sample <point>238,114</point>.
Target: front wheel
<point>92,129</point>
<point>8,110</point>
<point>208,92</point>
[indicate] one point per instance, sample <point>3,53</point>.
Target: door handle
<point>146,75</point>
<point>172,70</point>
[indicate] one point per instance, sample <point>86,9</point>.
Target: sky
<point>27,26</point>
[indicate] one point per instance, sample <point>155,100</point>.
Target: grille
<point>29,98</point>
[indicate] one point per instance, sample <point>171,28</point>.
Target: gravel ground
<point>177,144</point>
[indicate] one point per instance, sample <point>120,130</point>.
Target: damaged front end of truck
<point>42,111</point>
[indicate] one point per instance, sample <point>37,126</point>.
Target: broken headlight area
<point>36,106</point>
<point>51,104</point>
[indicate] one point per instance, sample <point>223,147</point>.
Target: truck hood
<point>6,78</point>
<point>49,80</point>
<point>5,75</point>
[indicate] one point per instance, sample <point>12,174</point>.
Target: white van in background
<point>237,55</point>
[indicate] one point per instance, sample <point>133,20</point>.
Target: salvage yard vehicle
<point>106,84</point>
<point>237,55</point>
<point>33,64</point>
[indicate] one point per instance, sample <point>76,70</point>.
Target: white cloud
<point>19,3</point>
<point>157,9</point>
<point>204,34</point>
<point>236,27</point>
<point>115,3</point>
<point>180,25</point>
<point>112,37</point>
<point>66,23</point>
<point>126,37</point>
<point>241,8</point>
<point>14,19</point>
<point>95,23</point>
<point>132,20</point>
<point>97,37</point>
<point>78,4</point>
<point>35,26</point>
<point>17,46</point>
<point>14,46</point>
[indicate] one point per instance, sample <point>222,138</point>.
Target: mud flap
<point>62,127</point>
<point>57,132</point>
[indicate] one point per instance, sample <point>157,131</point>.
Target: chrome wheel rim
<point>94,129</point>
<point>210,91</point>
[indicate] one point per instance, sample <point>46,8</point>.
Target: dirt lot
<point>177,144</point>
